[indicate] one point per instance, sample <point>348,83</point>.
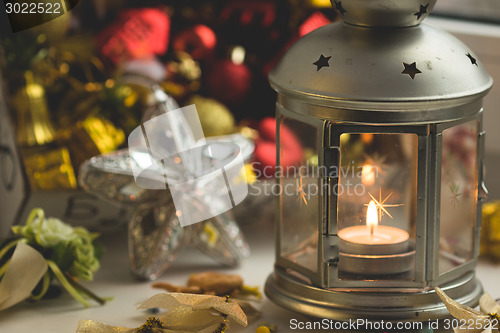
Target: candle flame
<point>371,217</point>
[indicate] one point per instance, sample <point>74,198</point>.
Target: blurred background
<point>76,86</point>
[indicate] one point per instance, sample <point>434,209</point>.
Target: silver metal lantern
<point>380,166</point>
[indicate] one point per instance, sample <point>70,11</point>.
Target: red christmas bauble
<point>136,34</point>
<point>265,148</point>
<point>227,81</point>
<point>199,41</point>
<point>313,22</point>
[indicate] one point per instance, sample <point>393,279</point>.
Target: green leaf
<point>64,282</point>
<point>62,255</point>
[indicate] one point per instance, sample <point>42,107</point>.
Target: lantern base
<point>409,305</point>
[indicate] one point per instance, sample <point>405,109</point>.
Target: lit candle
<point>371,218</point>
<point>373,249</point>
<point>373,238</point>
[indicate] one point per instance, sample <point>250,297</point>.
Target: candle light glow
<point>373,238</point>
<point>368,175</point>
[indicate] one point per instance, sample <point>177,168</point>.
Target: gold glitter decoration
<point>183,306</point>
<point>150,325</point>
<point>187,312</point>
<point>34,127</point>
<point>91,136</point>
<point>215,117</point>
<point>490,230</point>
<point>49,170</point>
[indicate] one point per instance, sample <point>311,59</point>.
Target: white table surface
<point>114,279</point>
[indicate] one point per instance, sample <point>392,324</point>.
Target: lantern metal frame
<point>345,98</point>
<point>322,293</point>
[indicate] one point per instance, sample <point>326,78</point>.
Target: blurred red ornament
<point>250,12</point>
<point>136,34</point>
<point>199,41</point>
<point>313,22</point>
<point>265,148</point>
<point>227,81</point>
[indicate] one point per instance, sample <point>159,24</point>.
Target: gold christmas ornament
<point>490,231</point>
<point>70,60</point>
<point>262,329</point>
<point>89,137</point>
<point>215,118</point>
<point>104,135</point>
<point>34,127</point>
<point>49,169</point>
<point>120,103</point>
<point>184,75</point>
<point>46,168</point>
<point>247,174</point>
<point>319,3</point>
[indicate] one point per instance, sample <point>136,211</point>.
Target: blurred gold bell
<point>34,127</point>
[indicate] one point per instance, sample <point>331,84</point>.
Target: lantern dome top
<point>383,13</point>
<point>361,68</point>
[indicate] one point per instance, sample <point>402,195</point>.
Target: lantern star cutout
<point>338,6</point>
<point>454,189</point>
<point>322,62</point>
<point>381,205</point>
<point>422,11</point>
<point>300,190</point>
<point>411,69</point>
<point>472,59</point>
<point>377,161</point>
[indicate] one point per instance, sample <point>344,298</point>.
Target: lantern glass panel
<point>299,192</point>
<point>458,195</point>
<point>376,206</point>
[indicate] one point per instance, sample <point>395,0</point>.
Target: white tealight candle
<point>385,240</point>
<point>373,238</point>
